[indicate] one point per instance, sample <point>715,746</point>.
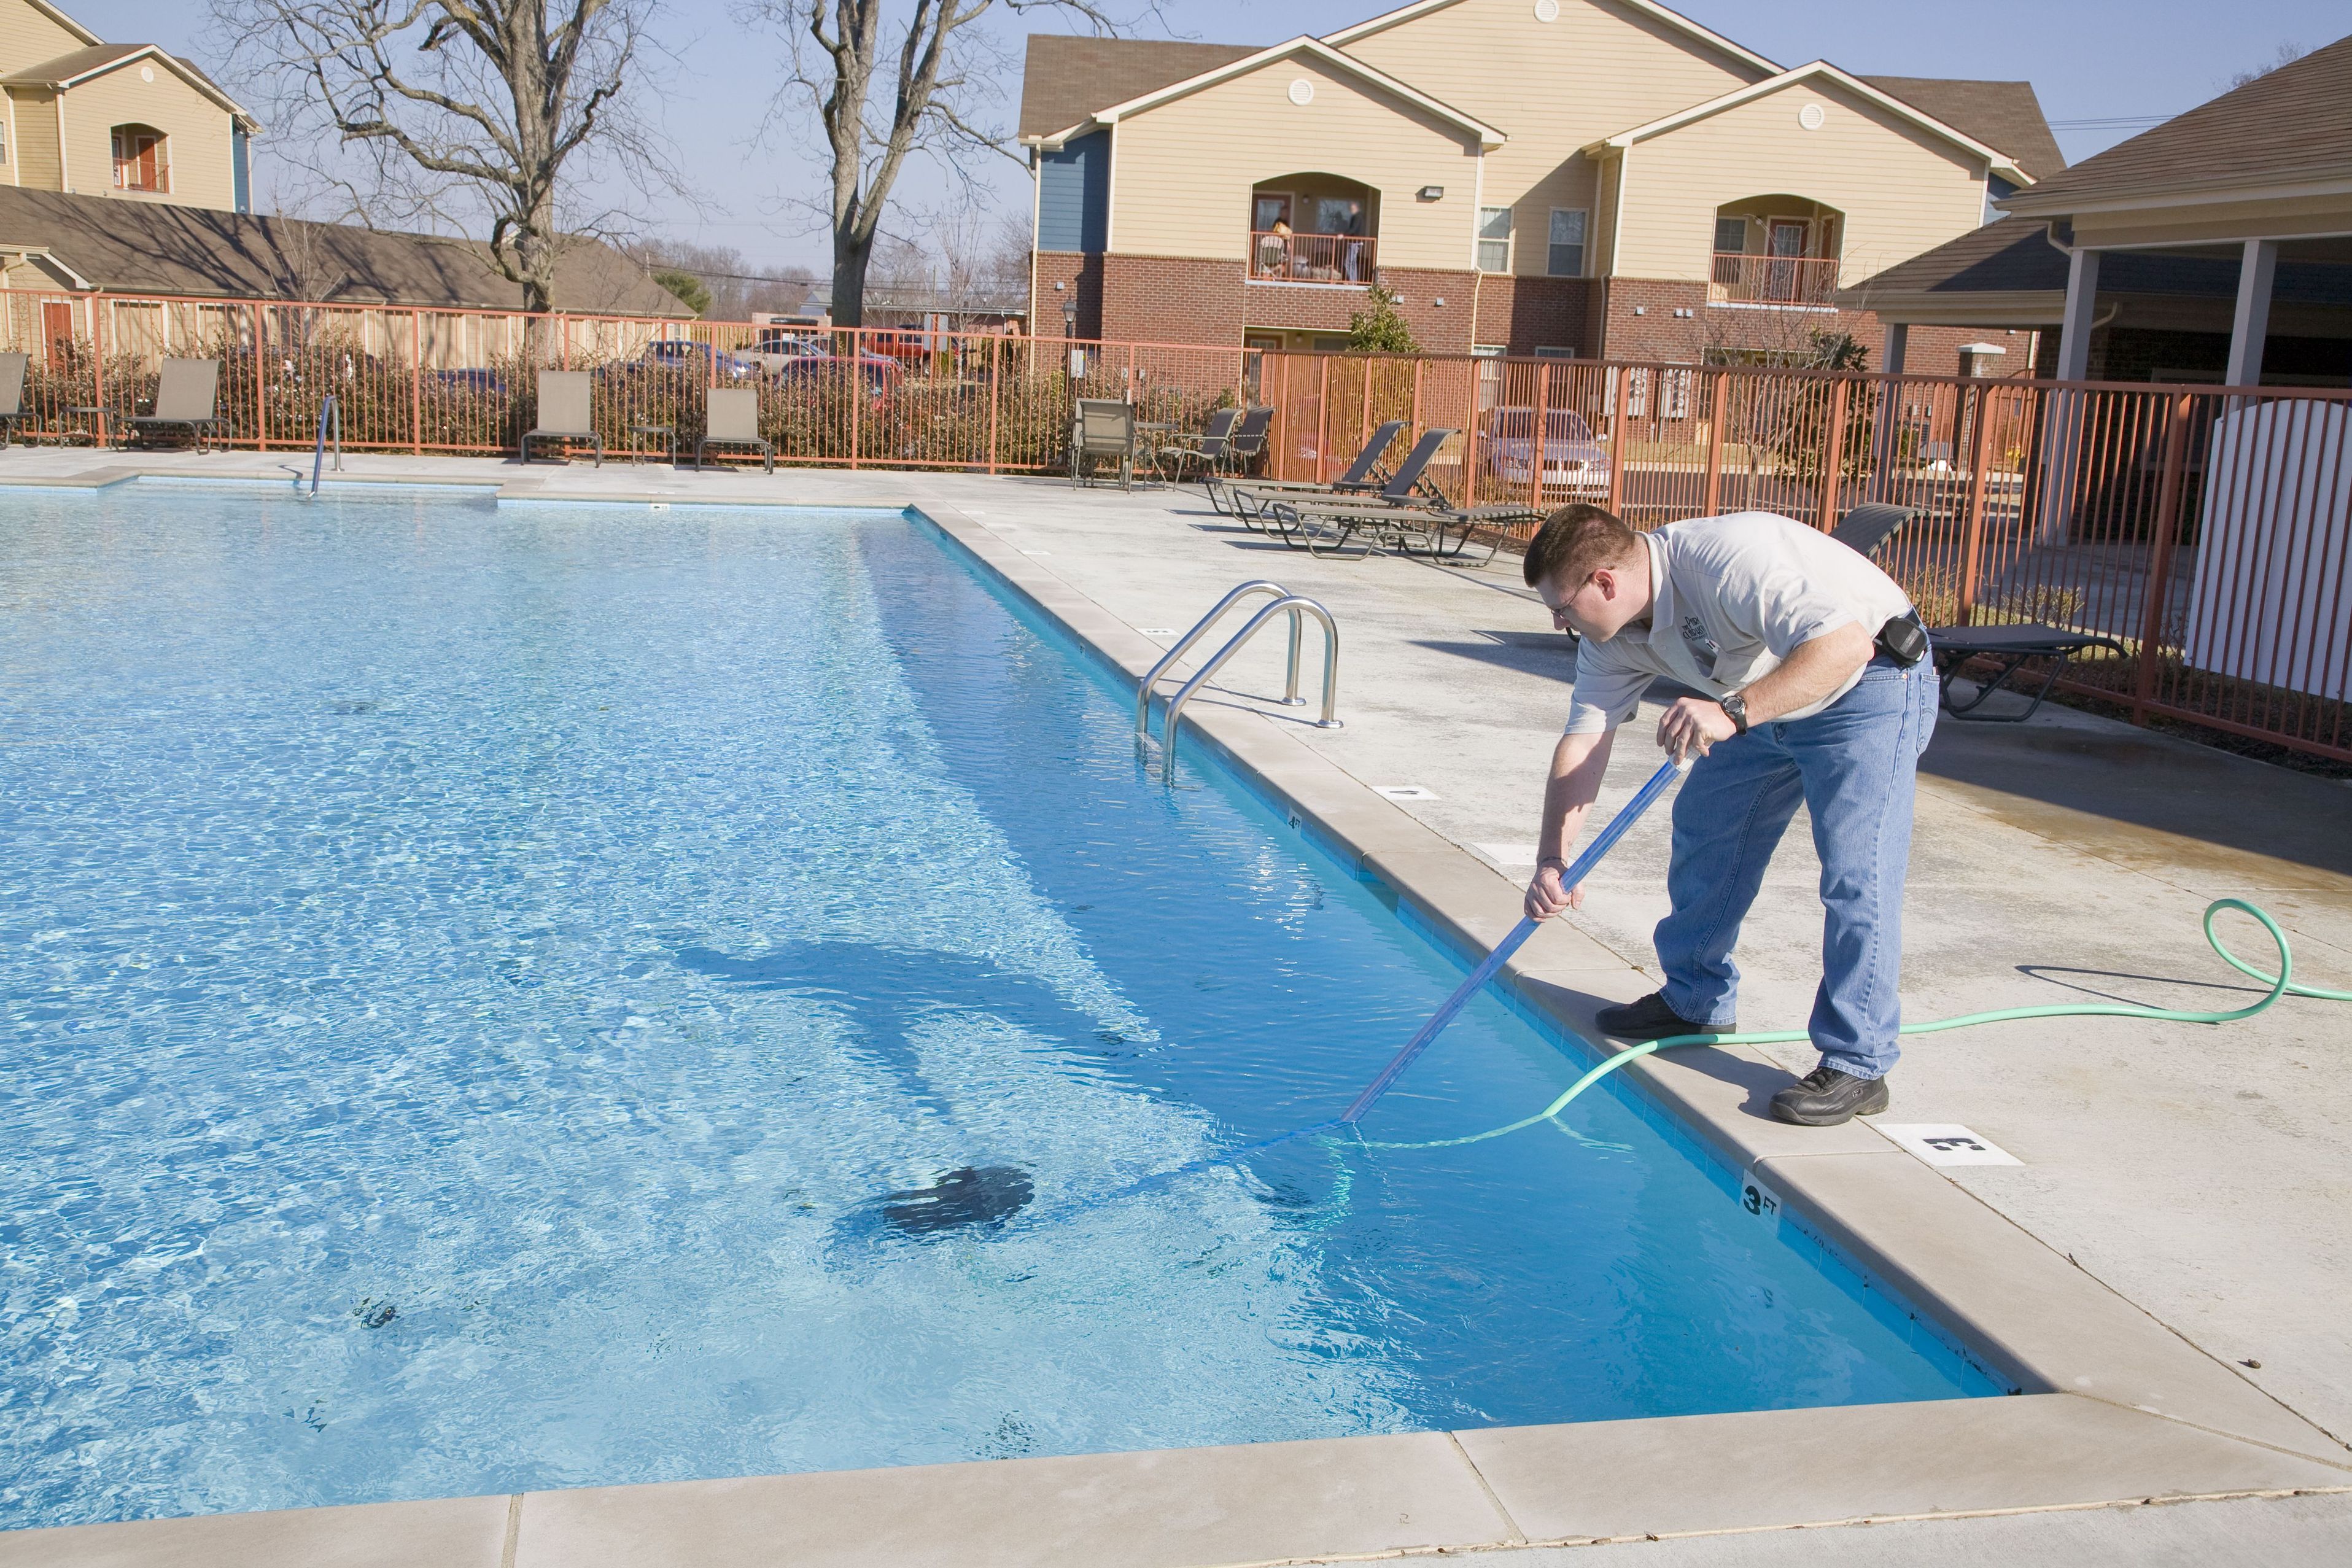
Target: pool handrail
<point>1291,604</point>
<point>1290,698</point>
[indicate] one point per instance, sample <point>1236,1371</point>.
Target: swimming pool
<point>475,977</point>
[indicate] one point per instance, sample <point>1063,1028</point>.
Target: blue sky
<point>2088,59</point>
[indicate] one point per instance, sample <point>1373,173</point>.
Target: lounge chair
<point>1206,450</point>
<point>1867,527</point>
<point>1326,525</point>
<point>2007,647</point>
<point>12,395</point>
<point>563,413</point>
<point>1364,476</point>
<point>730,417</point>
<point>1105,429</point>
<point>187,397</point>
<point>1282,508</point>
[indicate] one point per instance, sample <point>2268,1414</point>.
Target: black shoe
<point>1651,1020</point>
<point>1825,1097</point>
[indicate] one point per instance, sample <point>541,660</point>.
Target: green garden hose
<point>2281,985</point>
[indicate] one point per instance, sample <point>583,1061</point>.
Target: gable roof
<point>1065,79</point>
<point>80,65</point>
<point>2000,162</point>
<point>2292,126</point>
<point>1302,47</point>
<point>1673,20</point>
<point>2003,114</point>
<point>62,20</point>
<point>155,247</point>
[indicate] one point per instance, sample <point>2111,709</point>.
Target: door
<point>1786,247</point>
<point>58,331</point>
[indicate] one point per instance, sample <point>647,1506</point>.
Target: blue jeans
<point>1852,765</point>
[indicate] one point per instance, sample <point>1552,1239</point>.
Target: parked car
<point>1573,460</point>
<point>907,346</point>
<point>680,353</point>
<point>881,375</point>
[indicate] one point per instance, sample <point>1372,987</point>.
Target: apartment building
<point>89,118</point>
<point>1556,177</point>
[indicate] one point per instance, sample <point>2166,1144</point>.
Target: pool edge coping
<point>2069,1341</point>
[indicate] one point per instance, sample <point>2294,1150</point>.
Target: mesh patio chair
<point>12,395</point>
<point>1242,450</point>
<point>1363,476</point>
<point>187,397</point>
<point>731,418</point>
<point>563,411</point>
<point>1409,483</point>
<point>1865,528</point>
<point>1105,430</point>
<point>1203,451</point>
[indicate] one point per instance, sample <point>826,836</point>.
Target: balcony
<point>1342,258</point>
<point>1741,279</point>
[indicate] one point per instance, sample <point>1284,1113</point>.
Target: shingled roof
<point>2003,114</point>
<point>2287,125</point>
<point>156,247</point>
<point>1067,80</point>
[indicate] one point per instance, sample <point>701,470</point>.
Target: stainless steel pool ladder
<point>332,411</point>
<point>1297,607</point>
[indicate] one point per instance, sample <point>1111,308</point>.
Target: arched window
<point>141,162</point>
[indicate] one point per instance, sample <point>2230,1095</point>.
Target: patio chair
<point>187,397</point>
<point>1865,528</point>
<point>730,417</point>
<point>1364,475</point>
<point>1105,429</point>
<point>12,395</point>
<point>563,413</point>
<point>2008,648</point>
<point>1327,525</point>
<point>1283,509</point>
<point>1205,451</point>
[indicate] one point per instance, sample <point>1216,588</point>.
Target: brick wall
<point>1524,314</point>
<point>1172,300</point>
<point>1640,321</point>
<point>1081,275</point>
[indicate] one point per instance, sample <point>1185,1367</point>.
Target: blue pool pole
<point>1603,842</point>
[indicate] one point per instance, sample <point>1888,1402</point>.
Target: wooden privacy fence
<point>2208,529</point>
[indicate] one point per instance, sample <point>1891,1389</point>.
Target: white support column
<point>2252,322</point>
<point>2081,305</point>
<point>1898,343</point>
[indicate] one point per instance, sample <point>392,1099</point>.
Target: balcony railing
<point>1744,279</point>
<point>1311,258</point>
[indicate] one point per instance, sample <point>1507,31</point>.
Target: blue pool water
<point>471,976</point>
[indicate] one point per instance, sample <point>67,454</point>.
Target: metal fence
<point>2208,529</point>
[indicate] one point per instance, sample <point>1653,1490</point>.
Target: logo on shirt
<point>1704,649</point>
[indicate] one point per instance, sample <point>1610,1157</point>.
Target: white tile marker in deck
<point>1947,1143</point>
<point>1404,792</point>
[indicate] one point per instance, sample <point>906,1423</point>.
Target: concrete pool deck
<point>2179,1210</point>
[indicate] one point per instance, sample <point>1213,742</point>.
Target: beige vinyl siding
<point>28,39</point>
<point>1900,190</point>
<point>35,153</point>
<point>1181,173</point>
<point>197,129</point>
<point>1551,87</point>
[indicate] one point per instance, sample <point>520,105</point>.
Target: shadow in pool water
<point>887,993</point>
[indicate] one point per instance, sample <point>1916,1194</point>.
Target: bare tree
<point>2286,56</point>
<point>511,103</point>
<point>888,87</point>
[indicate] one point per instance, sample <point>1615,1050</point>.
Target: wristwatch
<point>1736,707</point>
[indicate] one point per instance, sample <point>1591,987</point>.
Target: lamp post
<point>1070,335</point>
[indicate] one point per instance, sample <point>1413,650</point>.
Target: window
<point>140,163</point>
<point>1490,373</point>
<point>1569,352</point>
<point>1269,209</point>
<point>1494,239</point>
<point>1731,235</point>
<point>1566,256</point>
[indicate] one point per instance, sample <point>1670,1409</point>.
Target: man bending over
<point>1811,661</point>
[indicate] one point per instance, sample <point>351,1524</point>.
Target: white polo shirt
<point>1735,595</point>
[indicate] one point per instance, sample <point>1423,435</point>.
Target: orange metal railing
<point>1311,258</point>
<point>2207,529</point>
<point>1744,279</point>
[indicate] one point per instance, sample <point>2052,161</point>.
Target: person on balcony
<point>1809,660</point>
<point>1273,250</point>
